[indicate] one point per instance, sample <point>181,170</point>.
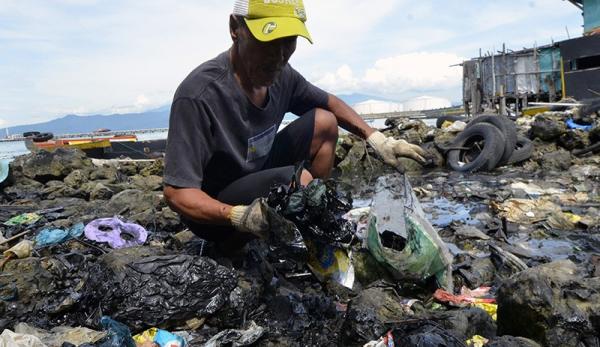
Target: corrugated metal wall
<point>550,69</point>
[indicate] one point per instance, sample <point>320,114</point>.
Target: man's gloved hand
<point>390,149</point>
<point>251,219</point>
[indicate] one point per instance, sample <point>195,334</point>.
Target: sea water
<point>10,150</point>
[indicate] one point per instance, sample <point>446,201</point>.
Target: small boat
<point>104,147</point>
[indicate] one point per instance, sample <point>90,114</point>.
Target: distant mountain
<point>157,118</point>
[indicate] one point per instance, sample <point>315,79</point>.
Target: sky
<point>61,57</point>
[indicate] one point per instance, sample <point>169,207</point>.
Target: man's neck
<point>257,95</point>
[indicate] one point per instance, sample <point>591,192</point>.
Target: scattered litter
<point>245,337</point>
<point>477,341</point>
<point>116,233</point>
<point>48,237</point>
<point>11,339</point>
<point>407,243</point>
<point>60,335</point>
<point>118,334</point>
<point>23,219</point>
<point>329,262</point>
<point>161,337</point>
<point>20,251</point>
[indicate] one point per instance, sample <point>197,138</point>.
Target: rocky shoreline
<point>523,239</point>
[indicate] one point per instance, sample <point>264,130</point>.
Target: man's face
<point>264,61</point>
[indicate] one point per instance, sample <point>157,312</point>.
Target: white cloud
<point>395,76</point>
<point>92,56</point>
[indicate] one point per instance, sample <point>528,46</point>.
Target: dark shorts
<point>290,147</point>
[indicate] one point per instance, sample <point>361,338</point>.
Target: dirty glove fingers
<point>417,153</point>
<point>405,149</point>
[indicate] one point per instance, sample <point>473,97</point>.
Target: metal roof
<point>578,3</point>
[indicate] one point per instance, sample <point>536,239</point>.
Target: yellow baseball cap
<point>270,20</point>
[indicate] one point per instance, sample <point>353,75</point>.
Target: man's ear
<point>234,28</point>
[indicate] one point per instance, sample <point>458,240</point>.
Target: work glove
<point>252,219</point>
<point>390,150</point>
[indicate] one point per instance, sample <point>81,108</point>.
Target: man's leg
<point>324,141</point>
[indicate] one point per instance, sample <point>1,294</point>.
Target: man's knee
<point>326,124</point>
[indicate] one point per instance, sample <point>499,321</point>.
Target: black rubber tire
<point>31,133</point>
<point>523,150</point>
<point>442,119</point>
<point>492,140</point>
<point>43,137</point>
<point>508,129</point>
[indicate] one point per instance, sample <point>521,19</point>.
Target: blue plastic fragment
<point>572,125</point>
<point>48,237</point>
<point>119,334</point>
<point>166,339</point>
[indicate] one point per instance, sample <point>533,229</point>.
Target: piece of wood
<point>555,104</point>
<point>15,237</point>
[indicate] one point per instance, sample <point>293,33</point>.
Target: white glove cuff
<point>376,140</point>
<point>237,214</point>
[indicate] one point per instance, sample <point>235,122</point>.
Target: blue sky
<point>60,57</point>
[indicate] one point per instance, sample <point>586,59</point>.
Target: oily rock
<point>368,314</point>
<point>133,201</point>
<point>552,305</point>
<point>155,168</point>
<point>148,183</point>
<point>547,128</point>
<point>44,166</point>
<point>76,178</point>
<point>101,192</point>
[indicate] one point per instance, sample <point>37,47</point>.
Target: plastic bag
<point>119,334</point>
<point>49,237</point>
<point>237,338</point>
<point>400,237</point>
<point>59,335</point>
<point>143,290</point>
<point>328,262</point>
<point>11,339</point>
<point>162,338</point>
<point>317,209</point>
<point>23,219</point>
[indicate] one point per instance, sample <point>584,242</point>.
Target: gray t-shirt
<point>216,134</point>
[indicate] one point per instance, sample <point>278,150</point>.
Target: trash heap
<point>93,256</point>
<point>484,142</point>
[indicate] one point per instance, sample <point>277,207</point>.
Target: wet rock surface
<point>527,232</point>
<point>551,304</point>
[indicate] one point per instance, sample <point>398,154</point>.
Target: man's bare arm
<point>197,206</point>
<point>348,118</point>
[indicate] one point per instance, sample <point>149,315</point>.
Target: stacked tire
<point>489,141</point>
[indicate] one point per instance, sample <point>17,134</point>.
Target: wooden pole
<point>562,78</point>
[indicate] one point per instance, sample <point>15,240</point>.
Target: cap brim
<point>273,28</point>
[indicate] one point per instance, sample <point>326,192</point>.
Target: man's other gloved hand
<point>251,219</point>
<point>390,149</point>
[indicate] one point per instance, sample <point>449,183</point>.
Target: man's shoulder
<point>202,77</point>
